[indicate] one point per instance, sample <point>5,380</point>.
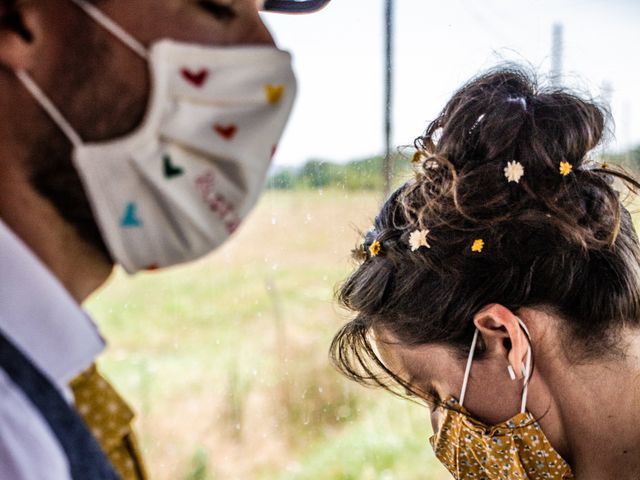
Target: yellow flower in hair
<point>477,246</point>
<point>375,247</point>
<point>565,168</point>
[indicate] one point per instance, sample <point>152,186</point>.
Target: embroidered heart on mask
<point>226,131</point>
<point>195,78</point>
<point>274,93</point>
<point>130,217</point>
<point>171,170</point>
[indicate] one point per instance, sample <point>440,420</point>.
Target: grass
<point>225,360</point>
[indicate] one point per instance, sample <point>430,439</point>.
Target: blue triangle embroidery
<point>130,218</point>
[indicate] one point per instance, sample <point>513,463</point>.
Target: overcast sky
<point>338,56</point>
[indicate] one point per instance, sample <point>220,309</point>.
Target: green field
<point>225,360</point>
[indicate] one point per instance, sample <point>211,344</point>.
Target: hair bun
<point>513,150</point>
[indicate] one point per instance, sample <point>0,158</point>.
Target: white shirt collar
<point>39,316</point>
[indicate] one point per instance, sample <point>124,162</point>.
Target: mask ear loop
<point>116,30</point>
<point>525,389</point>
<point>49,107</point>
<point>103,20</point>
<point>467,370</point>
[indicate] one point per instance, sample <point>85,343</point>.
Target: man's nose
<point>251,30</point>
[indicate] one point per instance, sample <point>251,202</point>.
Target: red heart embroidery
<point>226,131</point>
<point>195,78</point>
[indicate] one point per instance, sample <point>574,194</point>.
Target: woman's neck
<point>599,406</point>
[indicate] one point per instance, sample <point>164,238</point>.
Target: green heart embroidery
<point>171,170</point>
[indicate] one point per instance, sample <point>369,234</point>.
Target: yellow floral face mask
<point>516,449</point>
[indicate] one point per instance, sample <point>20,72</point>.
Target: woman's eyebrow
<point>416,382</point>
<point>426,387</point>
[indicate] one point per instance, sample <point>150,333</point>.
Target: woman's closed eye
<point>220,11</point>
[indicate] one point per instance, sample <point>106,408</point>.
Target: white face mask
<point>181,183</point>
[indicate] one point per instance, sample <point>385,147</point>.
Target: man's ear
<point>18,23</point>
<point>503,336</point>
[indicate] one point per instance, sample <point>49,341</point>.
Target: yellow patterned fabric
<point>513,450</point>
<point>109,418</point>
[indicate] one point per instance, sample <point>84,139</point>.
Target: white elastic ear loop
<point>525,390</point>
<point>49,107</point>
<point>467,370</point>
<point>115,29</point>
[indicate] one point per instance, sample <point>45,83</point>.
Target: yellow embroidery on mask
<point>274,93</point>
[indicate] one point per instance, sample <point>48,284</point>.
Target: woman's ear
<point>18,21</point>
<point>503,336</point>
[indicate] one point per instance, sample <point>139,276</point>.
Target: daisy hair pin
<point>418,239</point>
<point>514,171</point>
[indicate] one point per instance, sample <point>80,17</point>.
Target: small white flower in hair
<point>418,238</point>
<point>431,165</point>
<point>514,171</point>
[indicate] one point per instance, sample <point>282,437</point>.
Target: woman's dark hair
<point>559,242</point>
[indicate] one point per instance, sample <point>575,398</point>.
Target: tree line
<point>366,174</point>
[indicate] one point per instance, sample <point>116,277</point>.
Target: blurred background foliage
<point>361,174</point>
<point>364,174</point>
<point>225,360</point>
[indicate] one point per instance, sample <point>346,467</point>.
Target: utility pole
<point>606,93</point>
<point>388,160</point>
<point>626,132</point>
<point>557,52</point>
<point>606,96</point>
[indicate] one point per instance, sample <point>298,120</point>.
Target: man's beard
<point>55,178</point>
<point>110,110</point>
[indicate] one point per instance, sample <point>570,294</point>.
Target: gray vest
<point>86,459</point>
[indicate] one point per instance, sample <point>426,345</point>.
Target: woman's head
<point>515,215</point>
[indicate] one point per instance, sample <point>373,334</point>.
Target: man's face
<point>99,85</point>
